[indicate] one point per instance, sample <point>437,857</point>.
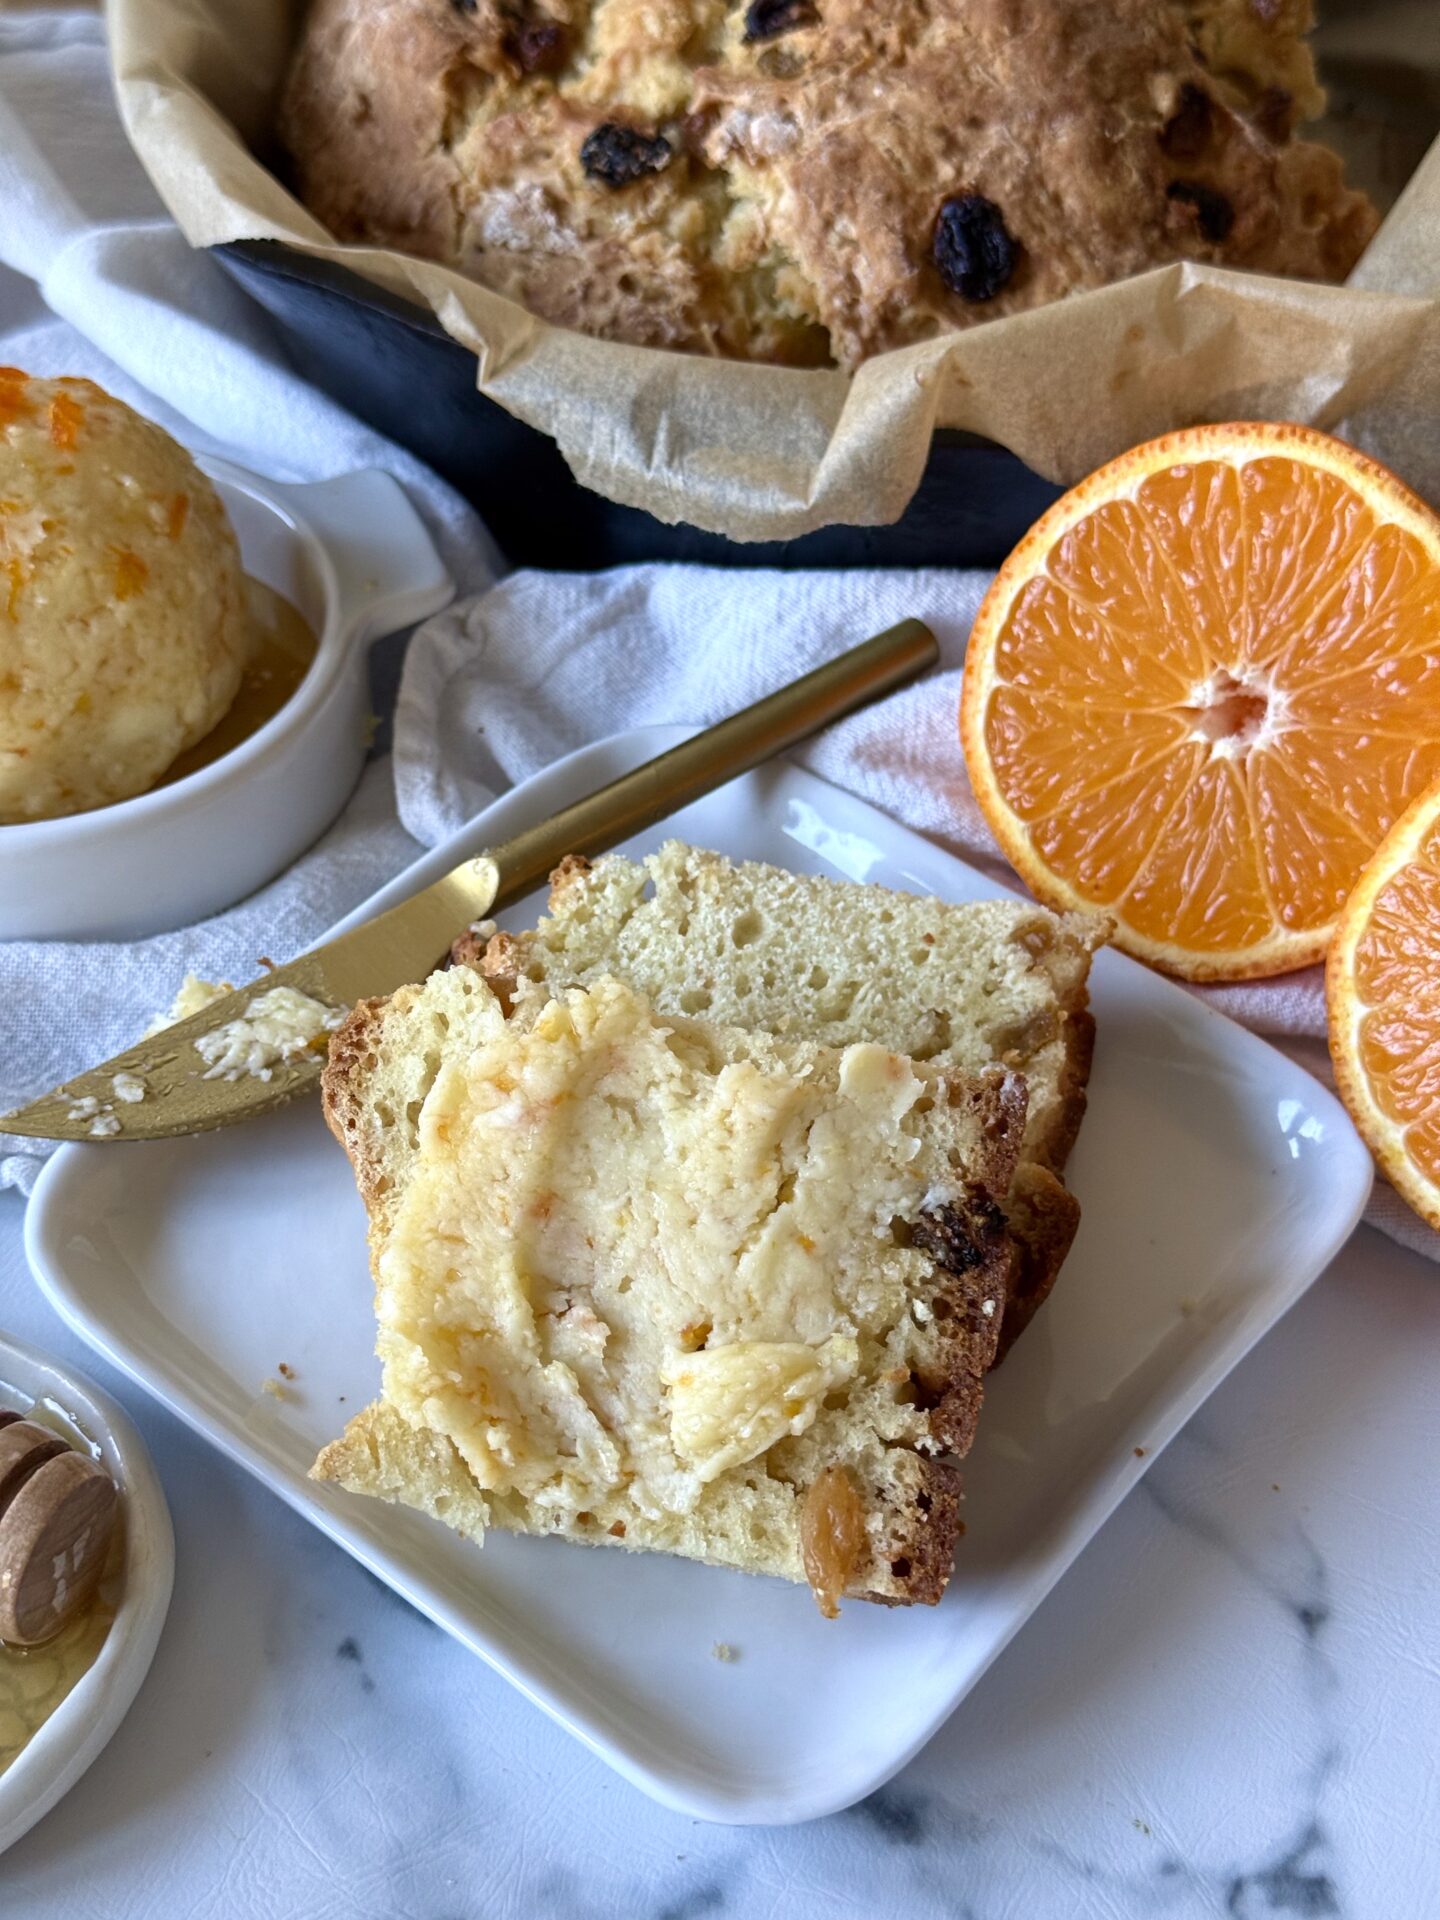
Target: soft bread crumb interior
<point>965,986</point>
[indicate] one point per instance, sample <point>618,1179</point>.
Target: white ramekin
<point>354,557</point>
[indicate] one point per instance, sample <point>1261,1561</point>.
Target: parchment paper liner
<point>695,439</point>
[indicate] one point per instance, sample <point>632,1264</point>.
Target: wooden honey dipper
<point>57,1512</point>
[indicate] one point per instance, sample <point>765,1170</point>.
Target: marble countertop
<point>1228,1706</point>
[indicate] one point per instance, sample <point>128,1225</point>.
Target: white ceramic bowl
<point>354,557</point>
<point>82,1724</point>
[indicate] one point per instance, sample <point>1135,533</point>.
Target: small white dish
<point>81,1726</point>
<point>353,556</point>
<point>1216,1178</point>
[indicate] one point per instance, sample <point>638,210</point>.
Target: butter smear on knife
<point>274,1027</point>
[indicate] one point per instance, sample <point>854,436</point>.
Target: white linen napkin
<point>83,236</point>
<point>494,689</point>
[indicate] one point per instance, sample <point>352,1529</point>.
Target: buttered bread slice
<point>963,986</point>
<point>655,1282</point>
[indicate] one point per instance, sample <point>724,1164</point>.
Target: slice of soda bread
<point>964,986</point>
<point>655,1282</point>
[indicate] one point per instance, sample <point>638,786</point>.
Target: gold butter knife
<point>164,1087</point>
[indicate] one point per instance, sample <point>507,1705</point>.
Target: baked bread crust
<point>379,1455</point>
<point>382,1062</point>
<point>810,182</point>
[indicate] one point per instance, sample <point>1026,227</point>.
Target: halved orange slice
<point>1382,996</point>
<point>1204,686</point>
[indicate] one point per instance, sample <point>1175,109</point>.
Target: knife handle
<point>718,754</point>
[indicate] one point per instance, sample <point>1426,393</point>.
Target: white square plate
<point>1216,1179</point>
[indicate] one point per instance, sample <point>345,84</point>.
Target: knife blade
<point>185,1079</point>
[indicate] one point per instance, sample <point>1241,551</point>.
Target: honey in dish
<point>282,650</point>
<point>34,1681</point>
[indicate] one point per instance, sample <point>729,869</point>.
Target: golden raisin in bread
<point>966,987</point>
<point>812,180</point>
<point>664,1284</point>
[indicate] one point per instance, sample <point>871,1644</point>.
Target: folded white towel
<point>83,236</point>
<point>498,688</point>
<point>494,689</point>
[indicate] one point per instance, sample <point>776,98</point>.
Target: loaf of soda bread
<point>648,1280</point>
<point>815,181</point>
<point>966,987</point>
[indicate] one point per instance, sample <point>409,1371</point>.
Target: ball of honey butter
<point>123,630</point>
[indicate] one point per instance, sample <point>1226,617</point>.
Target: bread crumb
<point>102,1120</point>
<point>286,1370</point>
<point>273,1387</point>
<point>722,1650</point>
<point>129,1087</point>
<point>1139,1453</point>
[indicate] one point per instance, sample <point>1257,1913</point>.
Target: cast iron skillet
<point>392,364</point>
